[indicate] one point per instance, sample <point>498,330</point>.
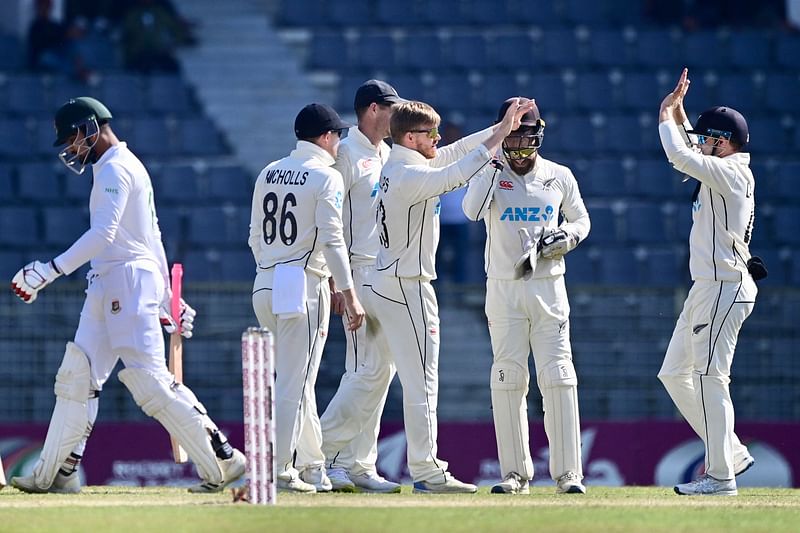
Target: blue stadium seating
<point>749,49</point>
<point>167,93</point>
<point>123,94</point>
<point>229,183</point>
<point>601,178</point>
<point>642,90</point>
<point>152,136</point>
<point>63,225</point>
<point>611,48</point>
<point>468,50</point>
<point>781,92</point>
<point>659,48</point>
<point>238,265</point>
<point>787,50</point>
<point>645,223</point>
<point>349,12</point>
<point>512,50</point>
<point>580,267</point>
<point>548,89</point>
<point>740,91</point>
<point>26,94</point>
<point>618,266</point>
<point>704,49</point>
<point>421,50</point>
<point>767,136</point>
<point>604,224</point>
<point>786,181</point>
<point>328,50</point>
<point>596,91</point>
<point>563,47</point>
<point>664,267</point>
<point>391,13</point>
<point>376,51</point>
<point>6,182</point>
<point>219,226</point>
<point>18,226</point>
<point>177,184</point>
<point>199,136</point>
<point>13,54</point>
<point>39,182</point>
<point>786,225</point>
<point>656,179</point>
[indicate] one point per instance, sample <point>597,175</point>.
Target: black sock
<point>222,449</point>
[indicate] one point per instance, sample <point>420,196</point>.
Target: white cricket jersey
<point>360,162</point>
<point>296,215</point>
<point>408,202</point>
<point>122,217</point>
<point>506,202</point>
<point>722,211</point>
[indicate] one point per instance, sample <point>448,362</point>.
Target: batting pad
<point>180,414</point>
<point>509,386</point>
<point>559,386</point>
<point>70,420</point>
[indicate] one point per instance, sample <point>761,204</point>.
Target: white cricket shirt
<point>296,215</point>
<point>408,202</point>
<point>722,212</point>
<point>360,162</point>
<point>506,202</point>
<point>122,217</point>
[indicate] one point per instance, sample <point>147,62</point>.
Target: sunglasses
<point>432,132</point>
<point>338,132</point>
<point>523,153</point>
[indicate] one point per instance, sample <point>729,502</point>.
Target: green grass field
<point>609,510</point>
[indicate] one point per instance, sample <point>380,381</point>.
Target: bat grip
<point>175,304</point>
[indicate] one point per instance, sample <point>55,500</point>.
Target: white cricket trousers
<point>697,367</point>
<point>524,315</point>
<point>119,320</point>
<point>408,316</point>
<point>299,341</point>
<point>351,422</point>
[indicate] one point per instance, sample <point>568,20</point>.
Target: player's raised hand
<point>32,278</point>
<point>672,104</point>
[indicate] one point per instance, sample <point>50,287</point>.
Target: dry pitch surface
<point>635,509</point>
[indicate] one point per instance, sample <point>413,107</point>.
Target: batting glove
<point>32,278</point>
<point>187,319</point>
<point>556,243</point>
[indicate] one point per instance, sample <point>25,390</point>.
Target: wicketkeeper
<point>128,290</point>
<point>527,308</point>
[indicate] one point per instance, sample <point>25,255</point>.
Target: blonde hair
<point>410,116</point>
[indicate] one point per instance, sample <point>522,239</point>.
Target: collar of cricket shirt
<point>407,155</point>
<point>307,150</point>
<point>381,151</point>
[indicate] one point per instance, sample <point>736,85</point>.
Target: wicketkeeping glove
<point>187,318</point>
<point>526,264</point>
<point>32,278</point>
<point>556,243</point>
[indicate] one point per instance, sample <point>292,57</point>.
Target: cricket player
<point>297,240</point>
<point>401,296</point>
<point>351,422</point>
<point>697,366</point>
<point>526,301</point>
<point>128,290</point>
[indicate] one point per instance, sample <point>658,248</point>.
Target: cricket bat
<point>2,475</point>
<point>176,348</point>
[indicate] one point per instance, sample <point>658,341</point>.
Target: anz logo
<point>696,205</point>
<point>528,214</point>
<point>375,190</point>
<point>438,208</point>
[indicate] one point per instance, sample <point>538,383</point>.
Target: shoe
<point>743,465</point>
<point>62,484</point>
<point>570,483</point>
<point>373,483</point>
<point>295,484</point>
<point>232,469</point>
<point>340,480</point>
<point>450,485</point>
<point>316,476</point>
<point>706,485</point>
<point>27,484</point>
<point>512,484</point>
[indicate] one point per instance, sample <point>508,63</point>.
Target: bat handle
<point>175,304</point>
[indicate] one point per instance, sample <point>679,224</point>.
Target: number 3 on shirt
<point>285,223</point>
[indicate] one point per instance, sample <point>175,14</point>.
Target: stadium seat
<point>229,183</point>
<point>453,90</point>
<point>350,12</point>
<point>64,225</point>
<point>297,13</point>
<point>10,263</point>
<point>659,48</point>
<point>408,86</point>
<point>610,48</point>
<point>786,225</point>
<point>167,93</point>
<point>749,49</point>
<point>618,266</point>
<point>203,265</point>
<point>152,136</point>
<point>13,56</point>
<point>218,226</point>
<point>328,51</point>
<point>564,48</point>
<point>776,266</point>
<point>787,50</point>
<point>740,91</point>
<point>604,223</point>
<point>171,224</point>
<point>794,270</point>
<point>199,136</point>
<point>580,268</point>
<point>61,90</point>
<point>767,136</point>
<point>18,226</point>
<point>781,92</point>
<point>512,50</point>
<point>601,178</point>
<point>123,94</point>
<point>467,50</point>
<point>6,183</point>
<point>656,179</point>
<point>645,223</point>
<point>548,89</point>
<point>238,265</point>
<point>704,49</point>
<point>26,94</point>
<point>497,88</point>
<point>786,185</point>
<point>663,267</point>
<point>177,184</point>
<point>392,13</point>
<point>39,182</point>
<point>421,50</point>
<point>642,90</point>
<point>376,51</point>
<point>596,91</point>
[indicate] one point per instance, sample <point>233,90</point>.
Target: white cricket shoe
<point>232,469</point>
<point>27,484</point>
<point>316,476</point>
<point>340,480</point>
<point>450,485</point>
<point>292,483</point>
<point>743,465</point>
<point>570,483</point>
<point>706,485</point>
<point>374,483</point>
<point>70,484</point>
<point>512,484</point>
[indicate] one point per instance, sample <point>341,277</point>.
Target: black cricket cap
<point>315,119</point>
<point>723,120</point>
<point>378,92</point>
<point>530,118</point>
